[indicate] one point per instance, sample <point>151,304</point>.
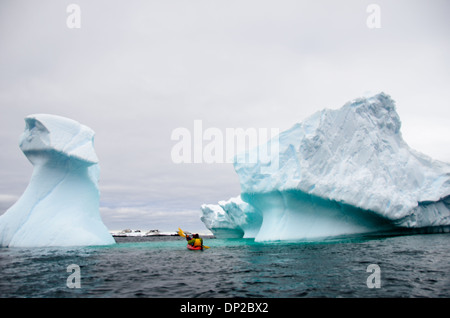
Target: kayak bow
<point>194,248</point>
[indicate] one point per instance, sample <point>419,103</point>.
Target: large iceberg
<point>60,206</point>
<point>340,172</point>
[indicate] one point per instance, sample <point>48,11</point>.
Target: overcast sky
<point>136,70</point>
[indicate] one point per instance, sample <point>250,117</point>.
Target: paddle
<point>181,233</point>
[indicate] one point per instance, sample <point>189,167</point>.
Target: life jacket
<point>198,242</point>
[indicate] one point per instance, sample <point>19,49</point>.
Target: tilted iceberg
<point>340,172</point>
<point>60,206</point>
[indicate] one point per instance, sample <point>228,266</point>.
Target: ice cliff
<point>60,206</point>
<point>339,172</point>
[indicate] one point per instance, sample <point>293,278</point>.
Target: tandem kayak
<point>194,248</point>
<point>190,247</point>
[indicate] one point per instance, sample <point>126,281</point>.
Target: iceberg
<point>339,172</point>
<point>233,218</point>
<point>60,206</point>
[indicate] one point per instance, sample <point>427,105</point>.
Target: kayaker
<point>195,240</point>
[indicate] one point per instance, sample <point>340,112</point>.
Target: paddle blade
<point>181,233</point>
<point>204,246</point>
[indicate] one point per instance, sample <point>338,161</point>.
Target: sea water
<point>407,266</point>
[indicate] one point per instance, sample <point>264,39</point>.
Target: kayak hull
<point>194,248</point>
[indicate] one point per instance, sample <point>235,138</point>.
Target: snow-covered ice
<point>339,172</point>
<point>60,206</point>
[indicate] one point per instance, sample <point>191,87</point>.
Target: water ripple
<point>411,266</point>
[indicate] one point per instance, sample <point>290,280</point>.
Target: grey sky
<point>136,70</point>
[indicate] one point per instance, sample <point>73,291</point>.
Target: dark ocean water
<point>410,266</point>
